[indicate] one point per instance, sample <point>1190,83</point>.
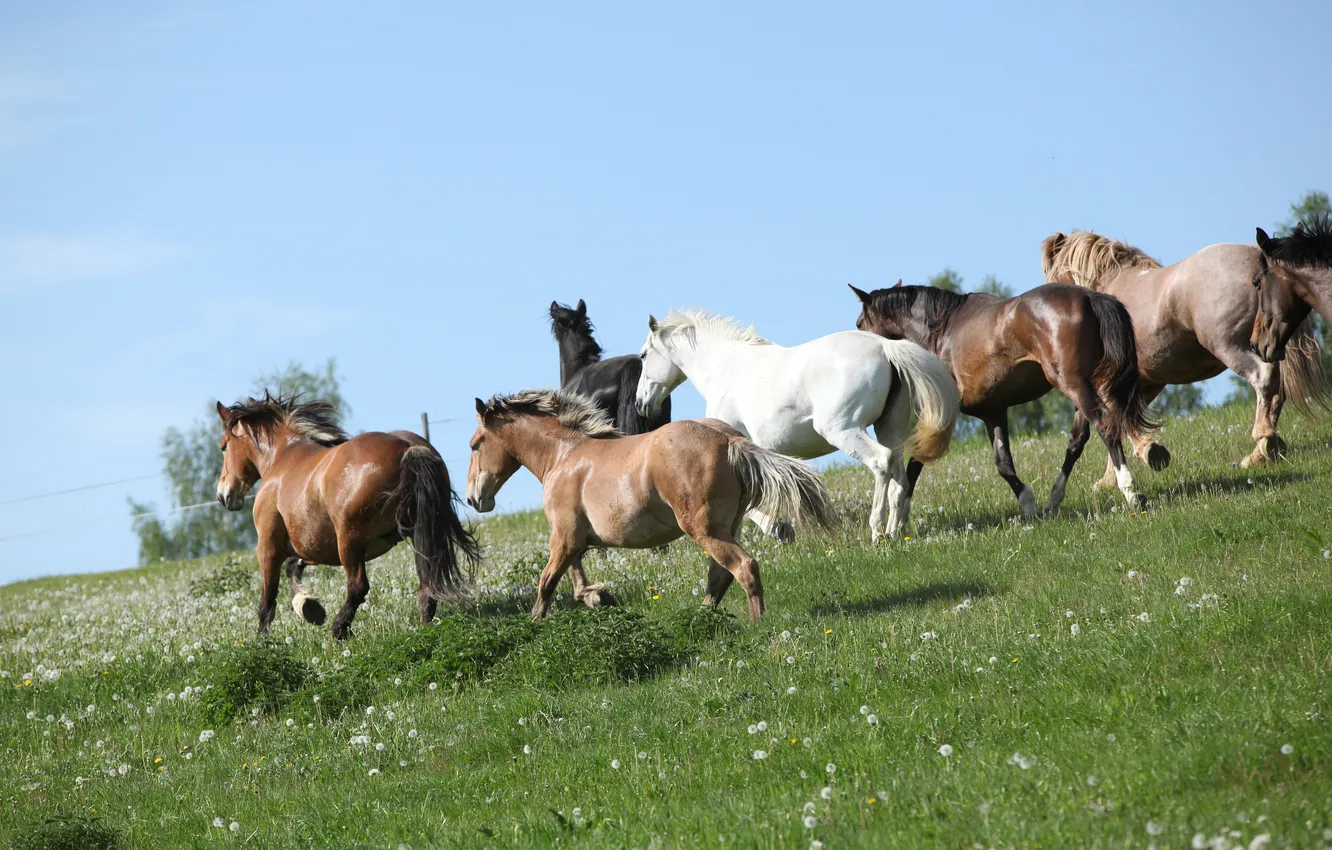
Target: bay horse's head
<point>659,375</point>
<point>240,460</point>
<point>879,315</point>
<point>491,464</point>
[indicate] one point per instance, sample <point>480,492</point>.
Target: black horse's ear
<point>1263,239</point>
<point>222,412</point>
<point>895,285</point>
<point>480,408</point>
<point>652,323</point>
<point>582,308</point>
<point>554,305</point>
<point>860,293</point>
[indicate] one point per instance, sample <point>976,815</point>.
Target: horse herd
<point>1111,328</point>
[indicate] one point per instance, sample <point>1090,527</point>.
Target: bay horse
<point>599,489</point>
<point>1192,321</point>
<point>1009,351</point>
<point>610,384</point>
<point>327,498</point>
<point>1294,277</point>
<point>810,400</point>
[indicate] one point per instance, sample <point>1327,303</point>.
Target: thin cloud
<point>40,260</point>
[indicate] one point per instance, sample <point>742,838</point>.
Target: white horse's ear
<point>895,285</point>
<point>222,412</point>
<point>652,323</point>
<point>860,293</point>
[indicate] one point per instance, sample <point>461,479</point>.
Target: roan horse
<point>1295,275</point>
<point>330,499</point>
<point>610,384</point>
<point>1192,321</point>
<point>813,399</point>
<point>1008,351</point>
<point>600,489</point>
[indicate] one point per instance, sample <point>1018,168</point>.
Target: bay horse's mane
<point>566,320</point>
<point>938,304</point>
<point>1089,259</point>
<point>571,410</point>
<point>1308,245</point>
<point>690,321</point>
<point>313,420</point>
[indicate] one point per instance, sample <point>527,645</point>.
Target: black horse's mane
<point>1310,244</point>
<point>935,304</point>
<point>315,420</point>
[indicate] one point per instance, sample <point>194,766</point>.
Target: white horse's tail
<point>933,394</point>
<point>780,486</point>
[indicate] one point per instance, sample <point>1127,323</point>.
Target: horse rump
<point>780,486</point>
<point>427,513</point>
<point>1116,377</point>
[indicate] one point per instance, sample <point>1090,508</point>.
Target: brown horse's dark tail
<point>1116,376</point>
<point>427,513</point>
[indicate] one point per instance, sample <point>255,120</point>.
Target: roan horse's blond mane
<point>1089,260</point>
<point>692,321</point>
<point>571,410</point>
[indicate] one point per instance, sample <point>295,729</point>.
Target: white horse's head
<point>660,374</point>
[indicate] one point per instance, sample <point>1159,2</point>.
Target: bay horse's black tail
<point>627,418</point>
<point>1116,376</point>
<point>427,513</point>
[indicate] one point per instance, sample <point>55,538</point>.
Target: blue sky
<point>197,194</point>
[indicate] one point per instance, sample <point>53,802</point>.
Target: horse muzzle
<point>478,500</point>
<point>230,501</point>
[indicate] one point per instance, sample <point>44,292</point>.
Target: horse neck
<point>1317,289</point>
<point>577,352</point>
<point>538,442</point>
<point>274,448</point>
<point>706,360</point>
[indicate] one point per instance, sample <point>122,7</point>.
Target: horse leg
<point>728,557</point>
<point>1077,440</point>
<point>891,430</point>
<point>562,554</point>
<point>1266,381</point>
<point>996,428</point>
<point>270,573</point>
<point>591,595</point>
<point>1146,446</point>
<point>858,444</point>
<point>306,606</point>
<point>775,528</point>
<point>358,587</point>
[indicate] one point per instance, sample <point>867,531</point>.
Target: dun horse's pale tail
<point>780,486</point>
<point>427,514</point>
<point>933,394</point>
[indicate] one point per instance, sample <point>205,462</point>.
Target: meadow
<point>1104,678</point>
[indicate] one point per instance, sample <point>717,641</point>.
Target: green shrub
<point>592,646</point>
<point>229,577</point>
<point>67,832</point>
<point>262,675</point>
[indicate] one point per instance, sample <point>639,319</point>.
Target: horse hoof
<point>1158,457</point>
<point>1138,502</point>
<point>341,632</point>
<point>309,609</point>
<point>784,532</point>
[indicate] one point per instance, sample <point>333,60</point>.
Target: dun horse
<point>1192,321</point>
<point>610,384</point>
<point>811,400</point>
<point>1295,275</point>
<point>1008,351</point>
<point>600,489</point>
<point>330,499</point>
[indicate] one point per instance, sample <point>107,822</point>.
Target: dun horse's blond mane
<point>1088,259</point>
<point>570,409</point>
<point>693,321</point>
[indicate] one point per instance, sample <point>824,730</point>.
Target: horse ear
<point>481,411</point>
<point>860,293</point>
<point>554,305</point>
<point>1263,239</point>
<point>652,323</point>
<point>582,308</point>
<point>222,412</point>
<point>895,285</point>
<point>1299,227</point>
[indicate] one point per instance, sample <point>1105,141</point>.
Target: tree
<point>992,285</point>
<point>1179,400</point>
<point>946,279</point>
<point>192,464</point>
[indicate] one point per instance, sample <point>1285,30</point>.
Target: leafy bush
<point>592,646</point>
<point>262,675</point>
<point>227,578</point>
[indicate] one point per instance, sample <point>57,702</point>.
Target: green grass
<point>638,719</point>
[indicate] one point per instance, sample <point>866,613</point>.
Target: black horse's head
<point>570,319</point>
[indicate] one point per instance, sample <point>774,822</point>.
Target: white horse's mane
<point>701,320</point>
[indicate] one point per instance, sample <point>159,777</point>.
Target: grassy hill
<point>1102,679</point>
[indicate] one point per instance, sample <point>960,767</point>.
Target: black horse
<point>610,383</point>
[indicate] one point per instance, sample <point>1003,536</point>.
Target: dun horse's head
<point>239,468</point>
<point>491,464</point>
<point>659,375</point>
<point>1280,307</point>
<point>873,320</point>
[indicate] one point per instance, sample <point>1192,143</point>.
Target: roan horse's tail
<point>1116,376</point>
<point>1303,380</point>
<point>427,513</point>
<point>933,394</point>
<point>780,486</point>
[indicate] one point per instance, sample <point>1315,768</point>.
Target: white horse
<point>813,399</point>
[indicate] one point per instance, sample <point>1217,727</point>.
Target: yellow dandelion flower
<point>1015,661</point>
<point>827,631</point>
<point>157,760</point>
<point>656,596</point>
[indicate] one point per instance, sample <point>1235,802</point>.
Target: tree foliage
<point>192,463</point>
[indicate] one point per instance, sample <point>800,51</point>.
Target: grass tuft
<point>67,832</point>
<point>260,676</point>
